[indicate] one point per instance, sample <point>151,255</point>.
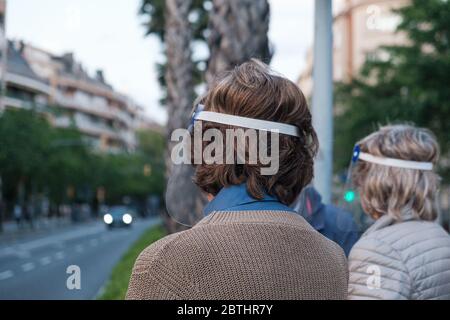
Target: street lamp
<point>322,99</point>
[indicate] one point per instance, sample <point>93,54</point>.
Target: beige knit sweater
<point>242,255</point>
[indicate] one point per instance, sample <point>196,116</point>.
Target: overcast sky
<point>108,34</point>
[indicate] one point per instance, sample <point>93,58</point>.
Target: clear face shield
<point>350,199</point>
<point>197,146</point>
<point>184,200</point>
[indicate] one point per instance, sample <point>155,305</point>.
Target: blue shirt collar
<point>237,198</point>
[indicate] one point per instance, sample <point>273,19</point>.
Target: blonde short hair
<point>395,191</point>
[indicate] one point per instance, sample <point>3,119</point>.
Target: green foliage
<point>24,145</point>
<point>153,12</point>
<point>69,164</point>
<point>151,144</point>
<point>48,160</point>
<point>117,285</point>
<point>404,84</point>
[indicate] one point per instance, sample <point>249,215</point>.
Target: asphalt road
<point>36,268</point>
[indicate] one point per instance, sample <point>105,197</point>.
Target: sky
<point>108,35</point>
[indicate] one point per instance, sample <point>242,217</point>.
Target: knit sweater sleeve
<point>147,282</point>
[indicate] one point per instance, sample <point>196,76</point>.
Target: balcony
<point>125,117</point>
<point>85,105</point>
<point>28,83</point>
<point>95,106</point>
<point>16,102</point>
<point>86,125</point>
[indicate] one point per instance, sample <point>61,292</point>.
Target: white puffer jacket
<point>405,260</point>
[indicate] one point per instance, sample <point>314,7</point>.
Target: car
<point>118,216</point>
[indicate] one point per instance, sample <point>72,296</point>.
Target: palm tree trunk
<point>180,94</point>
<point>238,32</point>
<point>180,87</point>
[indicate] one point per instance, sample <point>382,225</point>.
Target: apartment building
<point>360,28</point>
<point>104,116</point>
<point>23,87</point>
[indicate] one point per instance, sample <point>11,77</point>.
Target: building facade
<point>32,78</point>
<point>106,118</point>
<point>23,87</point>
<point>360,28</point>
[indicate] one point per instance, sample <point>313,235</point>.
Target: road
<point>36,268</point>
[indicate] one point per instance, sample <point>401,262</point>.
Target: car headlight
<point>108,218</point>
<point>127,218</point>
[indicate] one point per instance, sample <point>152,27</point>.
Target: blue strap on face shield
<point>356,152</point>
<point>198,108</point>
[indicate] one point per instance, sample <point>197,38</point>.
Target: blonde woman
<point>405,254</point>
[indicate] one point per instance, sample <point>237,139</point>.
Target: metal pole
<point>2,207</point>
<point>322,100</point>
<point>4,52</point>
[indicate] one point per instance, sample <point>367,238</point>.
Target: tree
<point>69,165</point>
<point>154,12</point>
<point>404,83</point>
<point>238,32</point>
<point>136,175</point>
<point>180,93</point>
<point>38,159</point>
<point>181,25</point>
<point>24,148</point>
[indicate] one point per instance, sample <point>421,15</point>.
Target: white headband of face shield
<point>427,166</point>
<point>244,122</point>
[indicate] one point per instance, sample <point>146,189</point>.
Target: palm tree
<point>180,94</point>
<point>178,76</point>
<point>238,32</point>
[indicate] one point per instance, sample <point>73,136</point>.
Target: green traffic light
<point>349,196</point>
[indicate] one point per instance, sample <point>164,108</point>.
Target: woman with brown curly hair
<point>405,254</point>
<point>250,243</point>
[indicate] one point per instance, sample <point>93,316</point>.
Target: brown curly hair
<point>253,90</point>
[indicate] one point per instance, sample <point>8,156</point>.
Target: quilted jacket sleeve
<point>376,271</point>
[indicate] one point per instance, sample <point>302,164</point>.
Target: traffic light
<point>349,196</point>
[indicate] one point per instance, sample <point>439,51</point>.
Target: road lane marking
<point>28,266</point>
<point>59,255</point>
<point>77,233</point>
<point>6,275</point>
<point>14,251</point>
<point>45,261</point>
